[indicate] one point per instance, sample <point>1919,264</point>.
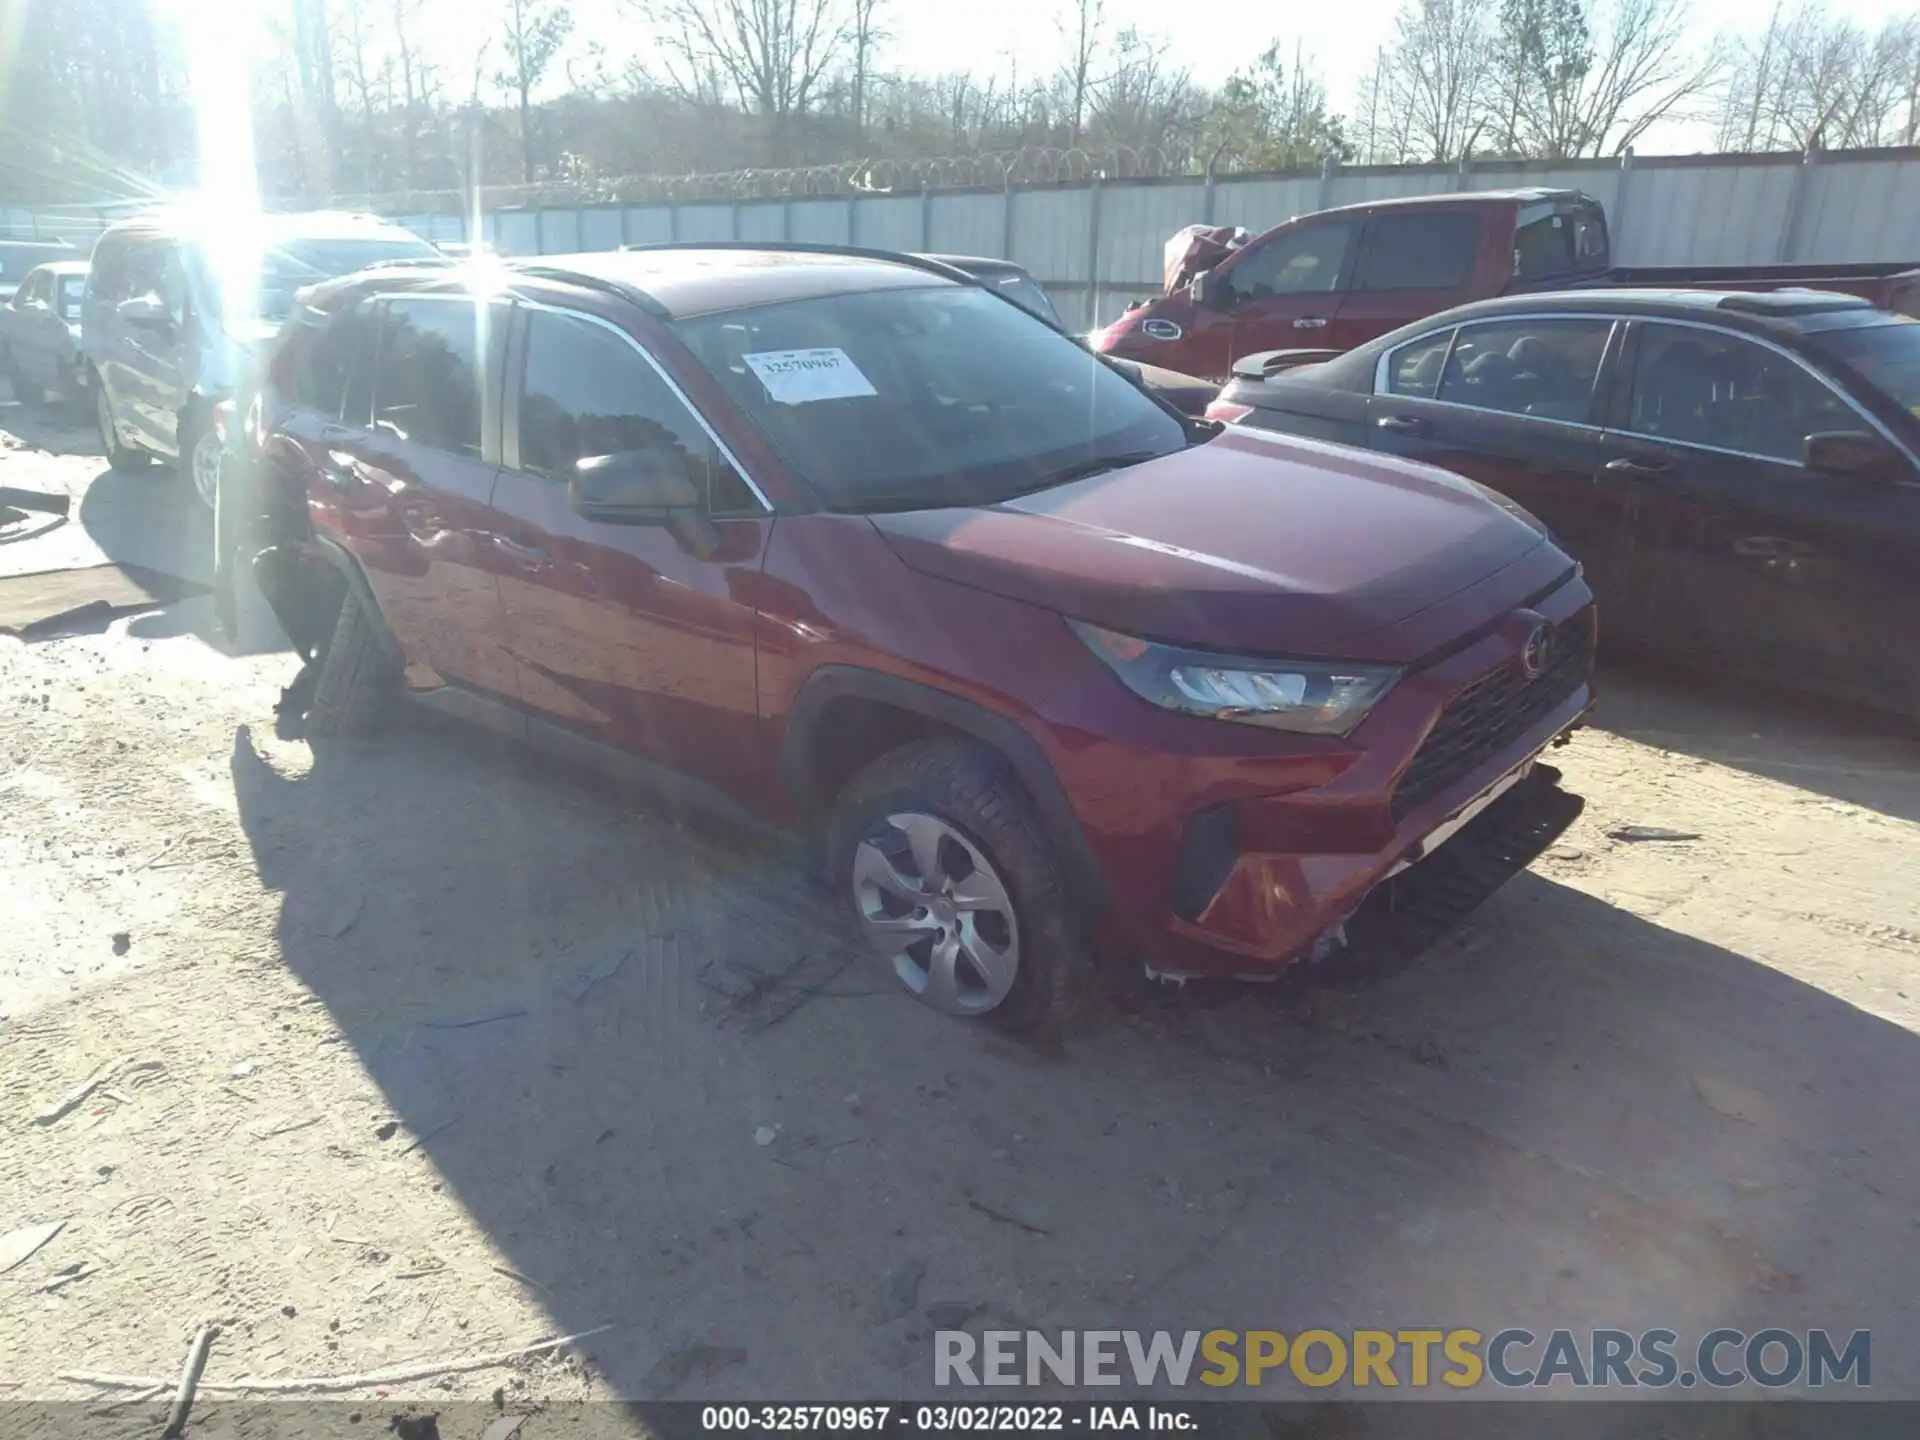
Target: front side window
<point>586,392</point>
<point>315,358</point>
<point>1303,261</point>
<point>1418,250</point>
<point>429,377</point>
<point>927,396</point>
<point>1885,355</point>
<point>1704,387</point>
<point>1414,369</point>
<point>1540,366</point>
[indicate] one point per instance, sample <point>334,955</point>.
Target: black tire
<point>970,788</point>
<point>28,395</point>
<point>356,678</point>
<point>119,457</point>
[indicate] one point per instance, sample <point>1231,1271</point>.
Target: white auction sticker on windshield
<point>798,377</point>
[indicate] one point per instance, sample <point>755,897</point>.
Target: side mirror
<point>144,312</point>
<point>633,487</point>
<point>1850,454</point>
<point>1201,287</point>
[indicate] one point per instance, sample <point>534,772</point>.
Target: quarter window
<point>1536,366</point>
<point>1702,387</point>
<point>427,383</point>
<point>586,391</point>
<point>1414,369</point>
<point>1418,250</point>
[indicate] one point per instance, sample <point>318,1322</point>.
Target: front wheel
<point>202,455</point>
<point>955,885</point>
<point>119,457</point>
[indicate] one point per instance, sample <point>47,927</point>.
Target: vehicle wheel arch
<point>846,716</point>
<point>317,613</point>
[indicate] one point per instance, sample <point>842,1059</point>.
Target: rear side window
<point>1418,250</point>
<point>1538,366</point>
<point>107,278</point>
<point>586,391</point>
<point>428,380</point>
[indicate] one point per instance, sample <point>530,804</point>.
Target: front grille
<point>1487,715</point>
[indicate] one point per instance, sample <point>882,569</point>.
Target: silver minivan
<point>177,308</point>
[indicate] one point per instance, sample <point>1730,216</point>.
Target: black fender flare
<point>1081,869</point>
<point>341,559</point>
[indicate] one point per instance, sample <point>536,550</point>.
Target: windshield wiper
<point>1083,469</point>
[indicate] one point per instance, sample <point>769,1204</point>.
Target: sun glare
<point>218,41</point>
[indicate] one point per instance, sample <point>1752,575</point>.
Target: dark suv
<point>851,543</point>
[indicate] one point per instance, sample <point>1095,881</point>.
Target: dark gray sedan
<point>40,334</point>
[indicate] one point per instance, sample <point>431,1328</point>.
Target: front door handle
<point>1639,469</point>
<point>1310,322</point>
<point>527,555</point>
<point>1403,425</point>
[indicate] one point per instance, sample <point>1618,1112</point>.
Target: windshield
<point>915,399</point>
<point>1025,292</point>
<point>1886,356</point>
<point>71,287</point>
<point>296,262</point>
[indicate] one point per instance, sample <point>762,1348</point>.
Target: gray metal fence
<point>1097,246</point>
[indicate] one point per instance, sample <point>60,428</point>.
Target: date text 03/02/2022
<point>946,1419</point>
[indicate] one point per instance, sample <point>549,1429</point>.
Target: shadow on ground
<point>652,1066</point>
<point>1864,757</point>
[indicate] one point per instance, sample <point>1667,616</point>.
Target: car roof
<point>1521,195</point>
<point>1759,310</point>
<point>682,281</point>
<point>275,225</point>
<point>978,264</point>
<point>61,267</point>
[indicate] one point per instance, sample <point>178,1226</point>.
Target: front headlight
<point>1309,697</point>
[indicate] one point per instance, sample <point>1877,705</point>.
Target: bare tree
<point>1084,27</point>
<point>1434,79</point>
<point>864,35</point>
<point>1812,81</point>
<point>774,53</point>
<point>1644,70</point>
<point>1272,117</point>
<point>531,36</point>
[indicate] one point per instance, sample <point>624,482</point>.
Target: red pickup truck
<point>1337,278</point>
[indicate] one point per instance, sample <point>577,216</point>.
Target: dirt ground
<point>427,1049</point>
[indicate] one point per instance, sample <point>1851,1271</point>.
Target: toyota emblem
<point>1537,653</point>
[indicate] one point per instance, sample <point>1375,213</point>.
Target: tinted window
<point>1414,369</point>
<point>427,383</point>
<point>586,391</point>
<point>108,277</point>
<point>315,358</point>
<point>910,398</point>
<point>1298,262</point>
<point>1025,292</point>
<point>1886,356</point>
<point>1536,366</point>
<point>1558,237</point>
<point>1705,388</point>
<point>1418,250</point>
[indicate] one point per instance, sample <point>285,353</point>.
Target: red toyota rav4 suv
<point>856,545</point>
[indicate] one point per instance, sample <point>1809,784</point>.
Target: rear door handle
<point>1310,322</point>
<point>1640,469</point>
<point>1403,425</point>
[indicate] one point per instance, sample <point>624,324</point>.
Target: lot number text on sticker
<point>796,377</point>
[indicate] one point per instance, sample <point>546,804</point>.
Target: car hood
<point>1268,545</point>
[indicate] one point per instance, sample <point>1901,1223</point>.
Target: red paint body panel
<point>696,650</point>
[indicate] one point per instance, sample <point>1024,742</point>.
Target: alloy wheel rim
<point>934,908</point>
<point>206,468</point>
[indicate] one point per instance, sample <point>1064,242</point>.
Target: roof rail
<point>560,274</point>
